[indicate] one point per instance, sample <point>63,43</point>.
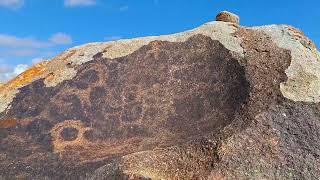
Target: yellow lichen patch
<point>10,89</point>
<point>27,77</point>
<point>8,123</point>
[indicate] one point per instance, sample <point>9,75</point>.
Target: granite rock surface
<point>221,101</point>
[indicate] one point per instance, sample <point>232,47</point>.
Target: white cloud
<point>72,3</point>
<point>13,4</point>
<point>17,53</point>
<point>20,68</point>
<point>61,38</point>
<point>26,47</point>
<point>124,8</point>
<point>112,38</point>
<point>8,72</point>
<point>12,46</point>
<point>13,41</point>
<point>28,42</point>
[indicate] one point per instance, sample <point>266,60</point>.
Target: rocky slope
<point>218,102</point>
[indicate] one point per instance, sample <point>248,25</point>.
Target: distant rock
<point>226,16</point>
<point>218,102</point>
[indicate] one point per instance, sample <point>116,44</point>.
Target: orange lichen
<point>8,123</point>
<point>35,72</point>
<point>26,77</point>
<point>299,35</point>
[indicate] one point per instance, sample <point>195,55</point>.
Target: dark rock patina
<point>187,110</point>
<point>163,94</point>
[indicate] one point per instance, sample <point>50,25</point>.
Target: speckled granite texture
<point>218,102</point>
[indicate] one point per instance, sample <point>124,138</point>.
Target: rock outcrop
<point>218,102</point>
<point>226,16</point>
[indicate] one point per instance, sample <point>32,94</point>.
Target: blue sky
<point>32,30</point>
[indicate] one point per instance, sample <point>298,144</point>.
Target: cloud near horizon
<point>13,46</point>
<point>124,8</point>
<point>73,3</point>
<point>60,39</point>
<point>29,42</point>
<point>16,4</point>
<point>26,47</point>
<point>12,4</point>
<point>7,72</point>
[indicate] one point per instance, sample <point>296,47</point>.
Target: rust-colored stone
<point>8,123</point>
<point>226,16</point>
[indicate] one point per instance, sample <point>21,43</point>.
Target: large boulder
<point>218,102</point>
<point>226,16</point>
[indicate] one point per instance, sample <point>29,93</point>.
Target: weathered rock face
<point>217,102</point>
<point>226,16</point>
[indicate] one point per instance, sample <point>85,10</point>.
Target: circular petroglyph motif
<point>162,94</point>
<point>68,133</point>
